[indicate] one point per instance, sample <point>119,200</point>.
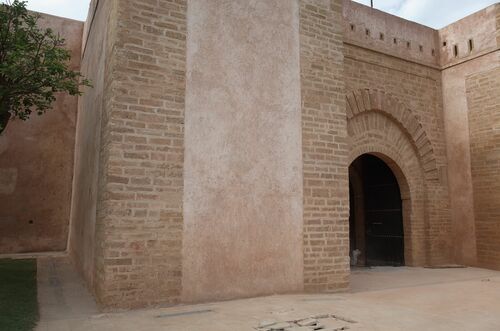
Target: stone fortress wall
<point>212,154</point>
<point>396,60</point>
<point>88,166</point>
<point>36,166</point>
<point>482,86</point>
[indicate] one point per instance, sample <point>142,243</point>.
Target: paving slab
<point>380,299</point>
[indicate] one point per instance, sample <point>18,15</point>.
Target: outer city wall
<point>211,155</point>
<point>36,166</point>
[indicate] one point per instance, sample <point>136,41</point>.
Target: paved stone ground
<point>380,299</point>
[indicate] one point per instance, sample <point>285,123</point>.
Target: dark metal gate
<point>383,214</point>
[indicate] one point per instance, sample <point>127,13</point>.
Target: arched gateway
<point>380,125</point>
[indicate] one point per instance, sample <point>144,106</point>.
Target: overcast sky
<point>433,13</point>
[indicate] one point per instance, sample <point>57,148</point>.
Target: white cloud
<point>75,9</point>
<point>433,13</point>
<point>440,13</point>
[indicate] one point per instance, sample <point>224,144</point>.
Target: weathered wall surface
<point>411,77</point>
<point>138,231</point>
<point>36,166</point>
<point>243,183</point>
<point>483,96</point>
<point>482,86</point>
<point>242,188</point>
<point>376,30</point>
<point>88,132</point>
<point>471,37</point>
<point>456,68</point>
<point>324,133</point>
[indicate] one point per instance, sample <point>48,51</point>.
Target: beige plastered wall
<point>483,99</point>
<point>482,86</point>
<point>481,28</point>
<point>242,173</point>
<point>36,166</point>
<point>88,137</point>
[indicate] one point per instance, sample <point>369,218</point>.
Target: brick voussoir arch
<point>368,100</point>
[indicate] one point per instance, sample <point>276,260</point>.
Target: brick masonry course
<point>364,81</point>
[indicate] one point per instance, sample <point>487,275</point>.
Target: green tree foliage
<point>34,65</point>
